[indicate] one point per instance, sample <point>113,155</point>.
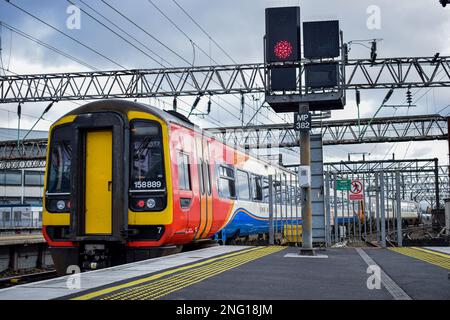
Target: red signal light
<point>283,49</point>
<point>141,203</point>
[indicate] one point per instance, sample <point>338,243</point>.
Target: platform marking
<point>157,276</point>
<point>436,258</point>
<point>390,285</point>
<point>163,287</point>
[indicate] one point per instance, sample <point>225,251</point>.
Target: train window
<point>257,188</point>
<point>6,216</point>
<point>60,161</point>
<point>184,176</point>
<point>147,171</point>
<point>265,190</point>
<point>227,187</point>
<point>208,177</point>
<point>201,176</point>
<point>243,185</point>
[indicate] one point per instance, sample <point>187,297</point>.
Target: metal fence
<point>285,209</point>
<point>378,217</point>
<point>24,223</point>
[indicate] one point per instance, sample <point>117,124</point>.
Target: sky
<point>406,29</point>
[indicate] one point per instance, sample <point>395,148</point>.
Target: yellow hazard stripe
<point>435,258</point>
<point>105,291</point>
<point>157,289</point>
<point>441,254</point>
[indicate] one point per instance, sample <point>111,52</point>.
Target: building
<point>25,186</point>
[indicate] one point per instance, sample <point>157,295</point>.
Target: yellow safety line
<point>98,293</point>
<point>165,286</point>
<point>174,281</point>
<point>444,255</point>
<point>427,256</point>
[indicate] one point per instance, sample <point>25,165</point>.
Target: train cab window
<point>257,188</point>
<point>147,171</point>
<point>60,161</point>
<point>184,174</point>
<point>227,186</point>
<point>243,185</point>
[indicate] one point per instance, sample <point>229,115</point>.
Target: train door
<point>98,190</point>
<point>206,168</point>
<point>202,193</point>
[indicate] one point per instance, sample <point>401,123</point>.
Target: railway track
<point>26,278</point>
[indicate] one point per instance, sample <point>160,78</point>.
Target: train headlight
<point>151,203</point>
<point>60,205</point>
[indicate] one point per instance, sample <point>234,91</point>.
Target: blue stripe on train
<point>244,223</point>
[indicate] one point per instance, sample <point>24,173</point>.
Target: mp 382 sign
<point>303,121</point>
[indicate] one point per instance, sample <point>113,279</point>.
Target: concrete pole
<point>271,208</point>
<point>305,160</point>
<point>399,209</point>
<point>383,212</point>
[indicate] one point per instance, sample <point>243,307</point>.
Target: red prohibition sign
<point>356,187</point>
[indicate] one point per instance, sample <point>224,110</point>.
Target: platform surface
<point>7,240</point>
<point>445,250</point>
<point>260,273</point>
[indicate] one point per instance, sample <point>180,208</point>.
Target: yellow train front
<point>108,191</point>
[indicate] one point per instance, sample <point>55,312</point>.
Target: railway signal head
<point>282,34</point>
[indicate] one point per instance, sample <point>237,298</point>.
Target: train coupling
<point>95,256</point>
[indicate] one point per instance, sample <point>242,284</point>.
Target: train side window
<point>201,177</point>
<point>257,188</point>
<point>265,190</point>
<point>207,177</point>
<point>184,174</point>
<point>243,185</point>
<point>227,186</point>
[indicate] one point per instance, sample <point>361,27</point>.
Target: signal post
<point>324,79</point>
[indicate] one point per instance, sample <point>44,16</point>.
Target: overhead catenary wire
<point>201,49</point>
<point>61,32</point>
<point>159,41</point>
<point>46,45</point>
<point>65,34</point>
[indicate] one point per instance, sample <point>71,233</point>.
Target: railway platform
<point>258,273</point>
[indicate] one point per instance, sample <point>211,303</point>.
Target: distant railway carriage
<point>20,216</point>
<point>126,181</point>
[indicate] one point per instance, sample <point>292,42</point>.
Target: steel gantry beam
<point>31,153</point>
<point>28,154</point>
<point>335,132</point>
<point>408,72</point>
<point>421,179</point>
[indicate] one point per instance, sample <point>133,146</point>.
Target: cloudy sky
<point>407,28</point>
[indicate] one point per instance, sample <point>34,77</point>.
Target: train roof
<point>123,107</point>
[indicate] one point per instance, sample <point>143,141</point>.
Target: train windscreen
<point>60,161</point>
<point>147,171</point>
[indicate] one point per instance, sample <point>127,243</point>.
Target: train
<point>410,213</point>
<point>127,181</point>
<point>20,216</point>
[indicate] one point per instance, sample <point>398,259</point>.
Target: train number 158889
<point>147,184</point>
